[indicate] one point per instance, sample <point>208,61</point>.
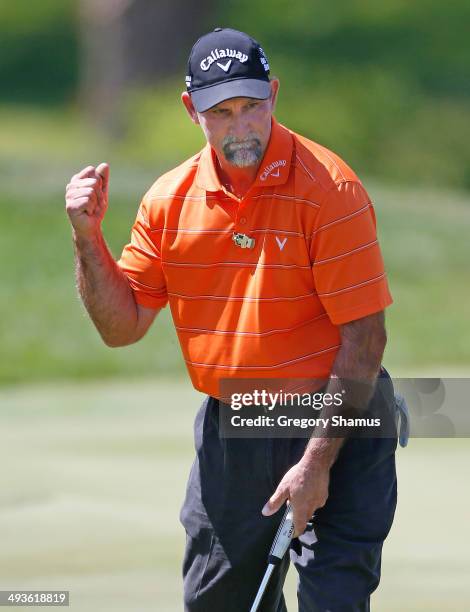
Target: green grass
<point>46,334</point>
<point>423,237</point>
<point>94,476</point>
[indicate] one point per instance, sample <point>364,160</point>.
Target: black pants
<point>228,539</point>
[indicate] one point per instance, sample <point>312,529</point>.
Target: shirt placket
<point>239,211</point>
<point>244,212</point>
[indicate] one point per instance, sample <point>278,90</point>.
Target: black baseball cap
<point>226,64</point>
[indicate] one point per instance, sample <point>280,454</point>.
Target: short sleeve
<point>141,263</point>
<point>347,263</point>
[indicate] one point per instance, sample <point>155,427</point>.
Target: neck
<point>236,180</point>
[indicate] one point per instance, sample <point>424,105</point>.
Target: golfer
<point>264,244</point>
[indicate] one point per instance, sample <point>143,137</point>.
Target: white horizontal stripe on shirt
<point>342,219</point>
<point>351,252</point>
<point>253,334</point>
<point>367,282</point>
<point>229,298</point>
<point>261,367</point>
<point>239,264</point>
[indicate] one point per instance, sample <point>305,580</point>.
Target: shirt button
<point>242,220</point>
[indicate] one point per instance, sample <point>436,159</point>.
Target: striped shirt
<point>272,310</point>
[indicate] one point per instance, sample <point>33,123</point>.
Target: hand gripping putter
<point>280,545</point>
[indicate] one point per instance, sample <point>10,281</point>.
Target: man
<point>264,244</point>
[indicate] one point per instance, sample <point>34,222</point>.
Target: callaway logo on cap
<point>226,64</point>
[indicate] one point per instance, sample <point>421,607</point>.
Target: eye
<point>220,111</point>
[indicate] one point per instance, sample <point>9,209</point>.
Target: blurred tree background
<point>384,84</point>
<point>387,83</point>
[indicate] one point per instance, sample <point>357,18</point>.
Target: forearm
<point>353,376</point>
<point>105,291</point>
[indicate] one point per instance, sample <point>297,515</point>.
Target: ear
<point>189,106</point>
<point>274,91</point>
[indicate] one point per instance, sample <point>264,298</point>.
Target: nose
<point>240,127</point>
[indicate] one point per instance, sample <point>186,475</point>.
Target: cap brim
<point>206,98</point>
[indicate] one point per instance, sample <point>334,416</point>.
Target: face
<point>237,129</point>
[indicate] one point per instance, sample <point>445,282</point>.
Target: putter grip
<point>283,537</point>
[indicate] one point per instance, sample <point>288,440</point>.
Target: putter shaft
<point>262,587</point>
<point>278,550</point>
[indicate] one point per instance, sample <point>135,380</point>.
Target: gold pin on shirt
<point>243,241</point>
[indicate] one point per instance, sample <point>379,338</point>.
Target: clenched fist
<point>86,199</point>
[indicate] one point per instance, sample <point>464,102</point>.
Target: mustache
<point>234,143</point>
<point>242,152</point>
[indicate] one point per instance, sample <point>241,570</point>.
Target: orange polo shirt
<point>271,311</point>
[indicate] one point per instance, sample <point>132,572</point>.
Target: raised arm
<point>103,287</point>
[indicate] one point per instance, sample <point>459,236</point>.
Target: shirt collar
<point>275,166</point>
<point>273,170</point>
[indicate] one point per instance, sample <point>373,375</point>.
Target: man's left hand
<point>306,487</point>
